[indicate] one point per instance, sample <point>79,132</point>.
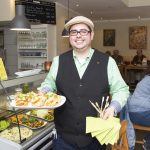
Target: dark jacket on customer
<point>137,59</point>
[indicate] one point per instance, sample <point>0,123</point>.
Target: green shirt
<point>119,91</point>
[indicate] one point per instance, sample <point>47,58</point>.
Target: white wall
<point>7,10</point>
<point>10,44</point>
<point>122,37</point>
<point>121,28</point>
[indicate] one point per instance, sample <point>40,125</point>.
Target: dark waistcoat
<point>70,119</point>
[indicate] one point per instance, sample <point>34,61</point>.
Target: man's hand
<point>109,112</point>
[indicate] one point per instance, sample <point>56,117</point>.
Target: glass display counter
<point>40,137</point>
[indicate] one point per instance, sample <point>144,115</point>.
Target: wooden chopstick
<point>101,109</point>
<point>102,103</point>
<point>95,106</point>
<point>98,106</point>
<point>106,104</point>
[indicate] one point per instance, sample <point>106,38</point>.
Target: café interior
<point>122,25</point>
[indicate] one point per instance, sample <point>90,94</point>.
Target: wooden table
<point>122,70</point>
<point>133,68</point>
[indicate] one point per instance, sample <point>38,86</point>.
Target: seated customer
<point>118,58</point>
<point>108,52</point>
<point>137,59</point>
<point>138,105</point>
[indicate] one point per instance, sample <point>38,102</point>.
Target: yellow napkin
<point>102,132</point>
<point>106,131</point>
<point>97,124</point>
<point>112,136</point>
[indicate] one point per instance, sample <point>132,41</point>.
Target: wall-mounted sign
<point>39,11</point>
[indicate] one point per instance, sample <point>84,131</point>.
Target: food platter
<point>12,133</point>
<point>54,101</point>
<point>4,125</point>
<point>28,121</point>
<point>44,114</point>
<point>63,99</point>
<point>33,127</point>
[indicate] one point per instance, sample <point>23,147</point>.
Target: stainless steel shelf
<point>20,80</point>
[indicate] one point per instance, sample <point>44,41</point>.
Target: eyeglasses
<point>82,32</point>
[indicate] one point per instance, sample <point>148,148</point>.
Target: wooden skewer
<point>99,109</point>
<point>107,98</point>
<point>101,112</point>
<point>102,103</point>
<point>98,106</point>
<point>95,107</point>
<point>106,104</point>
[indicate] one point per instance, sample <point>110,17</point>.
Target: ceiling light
<point>20,22</point>
<point>65,32</point>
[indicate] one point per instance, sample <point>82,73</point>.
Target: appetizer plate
<point>12,134</point>
<point>27,121</point>
<point>63,100</point>
<point>33,128</point>
<point>49,120</point>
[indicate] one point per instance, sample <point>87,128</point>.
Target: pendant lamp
<point>65,33</point>
<point>20,22</point>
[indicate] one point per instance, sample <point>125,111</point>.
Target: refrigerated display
<point>37,132</point>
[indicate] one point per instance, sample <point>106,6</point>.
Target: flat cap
<point>79,19</point>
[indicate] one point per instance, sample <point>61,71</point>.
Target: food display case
<point>36,130</point>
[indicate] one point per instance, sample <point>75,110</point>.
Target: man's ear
<point>92,35</point>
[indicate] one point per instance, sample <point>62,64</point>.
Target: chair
<point>141,128</point>
<point>122,143</point>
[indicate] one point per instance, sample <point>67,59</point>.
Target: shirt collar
<point>91,51</point>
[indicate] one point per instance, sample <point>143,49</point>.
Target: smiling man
<point>83,74</point>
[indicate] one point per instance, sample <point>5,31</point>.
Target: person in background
<point>138,107</point>
<point>138,58</point>
<point>136,75</point>
<point>118,58</point>
<point>108,52</point>
<point>82,74</point>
